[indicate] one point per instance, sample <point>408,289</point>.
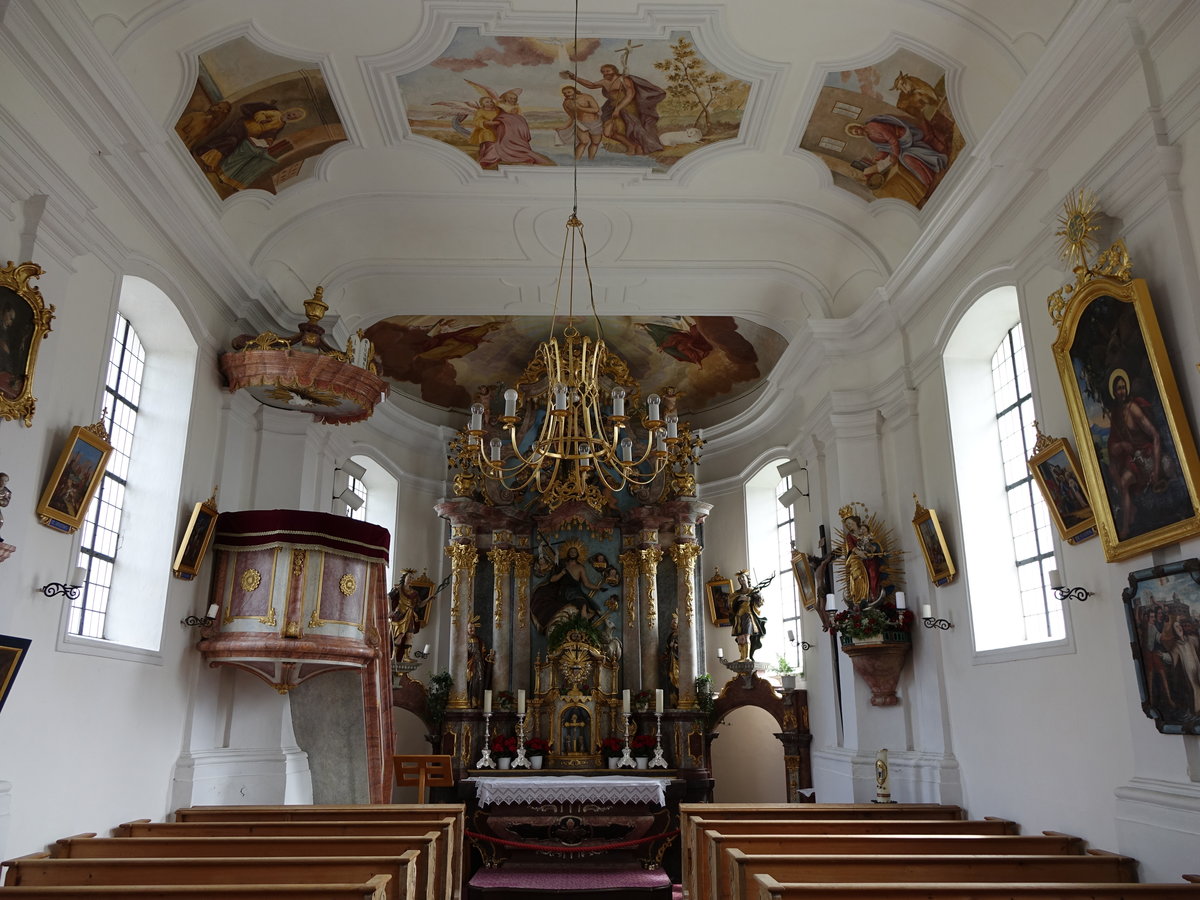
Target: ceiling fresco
<point>886,130</point>
<point>257,120</point>
<point>519,101</point>
<point>449,361</point>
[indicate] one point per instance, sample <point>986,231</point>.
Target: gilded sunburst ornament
<point>1079,219</point>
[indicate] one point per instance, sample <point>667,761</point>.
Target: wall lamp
<point>1067,593</point>
<point>353,470</point>
<point>931,621</point>
<point>201,621</point>
<point>350,498</point>
<point>804,645</point>
<point>78,579</point>
<point>794,493</point>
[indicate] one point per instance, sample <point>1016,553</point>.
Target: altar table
<point>569,789</point>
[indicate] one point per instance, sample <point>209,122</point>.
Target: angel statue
<point>498,129</point>
<point>406,611</point>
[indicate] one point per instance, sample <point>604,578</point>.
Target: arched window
<point>1008,545</point>
<point>771,531</point>
<point>129,535</point>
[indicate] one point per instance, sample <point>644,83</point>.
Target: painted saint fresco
<point>518,101</point>
<point>257,120</point>
<point>880,142</point>
<point>694,362</point>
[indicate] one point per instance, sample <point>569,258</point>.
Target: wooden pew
<point>373,889</point>
<point>739,869</point>
<point>711,843</point>
<point>342,813</point>
<point>695,824</point>
<point>39,869</point>
<point>771,889</point>
<point>432,875</point>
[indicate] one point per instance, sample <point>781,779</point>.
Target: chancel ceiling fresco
<point>256,119</point>
<point>549,101</point>
<point>887,129</point>
<point>696,362</point>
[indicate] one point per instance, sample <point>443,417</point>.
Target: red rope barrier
<point>590,848</point>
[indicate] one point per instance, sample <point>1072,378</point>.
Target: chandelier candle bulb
<point>672,426</point>
<point>560,397</point>
<point>627,450</point>
<point>496,445</point>
<point>510,402</point>
<point>625,702</point>
<point>900,604</point>
<point>660,443</point>
<point>926,611</point>
<point>487,702</point>
<point>652,403</point>
<point>618,401</point>
<point>476,417</point>
<point>658,701</point>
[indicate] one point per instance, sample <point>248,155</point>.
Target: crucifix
<point>624,52</point>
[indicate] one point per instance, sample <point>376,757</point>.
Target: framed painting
<point>1055,468</point>
<point>424,588</point>
<point>1162,609</point>
<point>938,561</point>
<point>1135,446</point>
<point>24,321</point>
<point>806,579</point>
<point>196,538</point>
<point>75,478</point>
<point>12,654</point>
<point>719,591</point>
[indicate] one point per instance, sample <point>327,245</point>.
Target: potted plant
<point>787,675</point>
<point>642,747</point>
<point>612,748</point>
<point>504,748</point>
<point>536,749</point>
<point>877,636</point>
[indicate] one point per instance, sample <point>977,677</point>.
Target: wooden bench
<point>340,812</point>
<point>40,869</point>
<point>711,844</point>
<point>771,889</point>
<point>739,869</point>
<point>432,875</point>
<point>695,824</point>
<point>373,889</point>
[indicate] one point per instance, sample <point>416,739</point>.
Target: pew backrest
<point>770,888</point>
<point>375,888</point>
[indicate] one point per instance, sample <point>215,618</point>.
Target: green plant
<point>437,695</point>
<point>705,699</point>
<point>858,623</point>
<point>591,633</point>
<point>782,666</point>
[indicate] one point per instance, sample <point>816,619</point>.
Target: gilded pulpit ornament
<point>250,580</point>
<point>347,584</point>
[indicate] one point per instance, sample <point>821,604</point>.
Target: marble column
<point>649,556</point>
<point>464,556</point>
<point>685,553</point>
<point>503,557</point>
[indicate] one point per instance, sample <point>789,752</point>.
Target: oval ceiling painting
<point>700,361</point>
<point>886,130</point>
<point>524,101</point>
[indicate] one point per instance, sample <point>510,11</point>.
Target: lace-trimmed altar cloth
<point>572,789</point>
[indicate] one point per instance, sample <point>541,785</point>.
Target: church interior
<point>370,387</point>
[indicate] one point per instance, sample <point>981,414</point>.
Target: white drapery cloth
<point>572,789</point>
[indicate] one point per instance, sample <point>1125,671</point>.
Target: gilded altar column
<point>631,661</point>
<point>684,553</point>
<point>650,555</point>
<point>463,556</point>
<point>502,556</point>
<point>523,568</point>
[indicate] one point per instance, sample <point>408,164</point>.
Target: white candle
<point>625,702</point>
<point>658,701</point>
<point>1055,579</point>
<point>926,611</point>
<point>791,636</point>
<point>425,652</point>
<point>830,602</point>
<point>213,609</point>
<point>900,600</point>
<point>520,703</point>
<point>487,701</point>
<point>720,653</point>
<point>79,576</point>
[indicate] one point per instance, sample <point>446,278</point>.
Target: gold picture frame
<point>1055,468</point>
<point>719,591</point>
<point>197,537</point>
<point>13,651</point>
<point>938,561</point>
<point>1114,368</point>
<point>24,321</point>
<point>806,580</point>
<point>64,503</point>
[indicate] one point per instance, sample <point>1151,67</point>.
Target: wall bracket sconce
<point>930,621</point>
<point>793,493</point>
<point>78,579</point>
<point>1067,593</point>
<point>204,621</point>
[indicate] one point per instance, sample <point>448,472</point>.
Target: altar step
<point>611,880</point>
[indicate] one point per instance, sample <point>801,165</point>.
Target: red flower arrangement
<point>642,744</point>
<point>504,746</point>
<point>863,623</point>
<point>612,746</point>
<point>537,746</point>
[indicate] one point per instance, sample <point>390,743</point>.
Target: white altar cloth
<point>572,789</point>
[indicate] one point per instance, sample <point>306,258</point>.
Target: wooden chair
<point>423,771</point>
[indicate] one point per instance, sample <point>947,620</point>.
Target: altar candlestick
<point>487,701</point>
<point>520,703</point>
<point>658,701</point>
<point>625,702</point>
